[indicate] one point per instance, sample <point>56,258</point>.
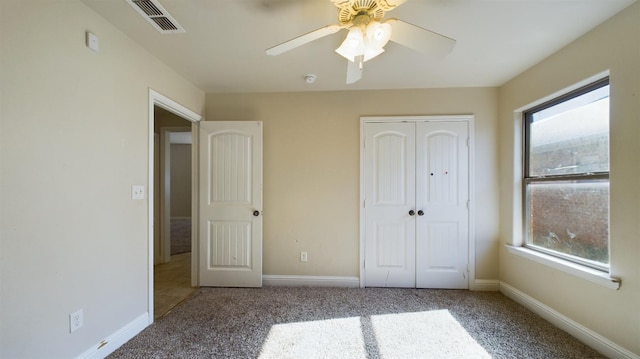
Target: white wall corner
<point>485,285</point>
<point>309,281</point>
<point>579,331</point>
<point>117,339</point>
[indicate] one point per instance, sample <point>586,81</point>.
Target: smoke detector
<point>310,78</point>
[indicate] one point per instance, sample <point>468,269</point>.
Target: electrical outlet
<point>75,321</point>
<point>137,192</point>
<point>303,256</point>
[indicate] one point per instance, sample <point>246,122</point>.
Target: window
<point>566,176</point>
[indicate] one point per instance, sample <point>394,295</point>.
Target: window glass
<point>571,217</point>
<point>571,137</point>
<point>567,176</point>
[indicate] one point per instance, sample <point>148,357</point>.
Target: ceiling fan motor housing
<point>361,12</point>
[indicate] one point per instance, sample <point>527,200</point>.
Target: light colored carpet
<point>432,334</point>
<point>276,322</point>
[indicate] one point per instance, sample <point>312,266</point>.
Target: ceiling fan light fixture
<point>368,43</point>
<point>353,45</point>
<point>371,52</point>
<point>378,34</point>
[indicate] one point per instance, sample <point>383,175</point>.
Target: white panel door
<point>442,195</point>
<point>230,204</point>
<point>390,196</point>
<point>416,213</point>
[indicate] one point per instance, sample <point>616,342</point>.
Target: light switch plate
<point>137,191</point>
<point>92,42</point>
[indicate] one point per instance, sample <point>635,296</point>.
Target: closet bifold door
<point>390,197</point>
<point>416,216</point>
<point>442,193</point>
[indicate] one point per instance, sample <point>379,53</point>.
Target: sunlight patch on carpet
<point>432,334</point>
<point>332,338</point>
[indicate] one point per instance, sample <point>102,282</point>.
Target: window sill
<point>575,269</point>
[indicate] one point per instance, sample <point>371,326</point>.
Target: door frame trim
<point>157,99</point>
<point>469,119</point>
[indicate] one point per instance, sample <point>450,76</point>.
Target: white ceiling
<point>223,47</point>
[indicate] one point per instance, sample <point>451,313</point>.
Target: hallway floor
<point>172,283</point>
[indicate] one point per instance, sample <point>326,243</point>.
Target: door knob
<point>420,213</point>
<point>256,213</point>
<point>412,212</point>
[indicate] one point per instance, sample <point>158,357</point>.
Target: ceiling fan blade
<point>354,70</point>
<point>340,3</point>
<point>274,4</point>
<point>419,39</point>
<point>391,4</point>
<point>303,39</point>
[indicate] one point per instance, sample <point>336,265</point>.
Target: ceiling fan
<point>368,34</point>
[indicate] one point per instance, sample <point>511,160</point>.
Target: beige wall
<point>312,169</point>
<point>74,137</point>
<point>163,119</point>
<point>612,46</point>
<point>180,180</point>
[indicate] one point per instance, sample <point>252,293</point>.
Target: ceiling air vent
<point>157,16</point>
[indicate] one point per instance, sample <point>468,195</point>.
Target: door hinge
<point>364,203</point>
<point>467,141</point>
<point>468,204</point>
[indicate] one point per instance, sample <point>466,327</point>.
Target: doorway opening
<point>173,250</point>
<point>173,219</point>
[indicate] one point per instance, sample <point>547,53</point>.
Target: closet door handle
<point>412,212</point>
<point>256,213</point>
<point>420,213</point>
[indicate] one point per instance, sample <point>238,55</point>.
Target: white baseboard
<point>309,281</point>
<point>117,339</point>
<point>349,282</point>
<point>487,285</point>
<point>582,333</point>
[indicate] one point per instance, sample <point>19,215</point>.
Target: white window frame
<point>517,245</point>
<point>530,179</point>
